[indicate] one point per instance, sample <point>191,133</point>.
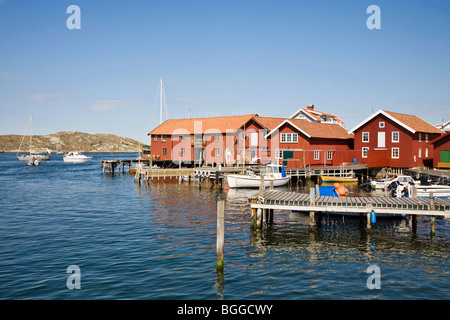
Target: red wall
<point>442,144</point>
<point>408,145</point>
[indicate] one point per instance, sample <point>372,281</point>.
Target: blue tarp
<point>283,173</point>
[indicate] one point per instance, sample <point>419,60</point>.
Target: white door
<point>254,139</point>
<point>381,139</point>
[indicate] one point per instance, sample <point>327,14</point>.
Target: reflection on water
<point>158,241</point>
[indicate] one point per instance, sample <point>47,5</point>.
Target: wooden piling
<point>258,218</point>
<point>220,234</point>
<point>432,222</point>
<point>312,200</point>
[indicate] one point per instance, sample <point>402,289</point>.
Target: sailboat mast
<point>31,130</point>
<point>161,101</point>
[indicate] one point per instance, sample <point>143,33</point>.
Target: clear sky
<point>218,58</point>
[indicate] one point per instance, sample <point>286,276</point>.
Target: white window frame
<point>365,151</point>
<point>426,152</point>
<point>163,138</point>
<point>278,154</point>
<point>398,153</point>
<point>182,151</point>
<point>420,152</point>
<point>381,124</point>
<point>316,155</point>
<point>398,136</point>
<point>426,137</point>
<point>164,151</point>
<point>329,155</point>
<point>420,137</point>
<point>156,137</point>
<point>289,138</point>
<point>216,151</point>
<point>363,134</point>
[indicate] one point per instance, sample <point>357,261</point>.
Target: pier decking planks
<point>395,206</point>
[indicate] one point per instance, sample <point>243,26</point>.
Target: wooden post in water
<point>220,234</point>
<point>258,218</point>
<point>369,224</point>
<point>253,216</point>
<point>313,203</point>
<point>432,227</point>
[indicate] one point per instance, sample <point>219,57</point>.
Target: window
<point>279,154</point>
<point>288,137</point>
<point>420,152</point>
<point>163,138</point>
<point>216,137</point>
<point>381,124</point>
<point>364,152</point>
<point>244,136</point>
<point>182,151</point>
<point>181,138</point>
<point>395,136</point>
<point>365,137</point>
<point>426,137</point>
<point>316,155</point>
<point>329,155</point>
<point>216,151</point>
<point>395,153</point>
<point>426,152</point>
<point>156,138</point>
<point>420,137</point>
<point>164,151</point>
<point>264,133</point>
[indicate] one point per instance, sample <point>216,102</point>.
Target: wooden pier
<point>112,164</point>
<point>264,204</point>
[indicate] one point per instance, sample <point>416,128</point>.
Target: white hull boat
<point>32,158</point>
<point>274,174</point>
<point>403,180</point>
<point>40,157</point>
<point>76,157</point>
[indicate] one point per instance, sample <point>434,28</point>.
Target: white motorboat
<point>273,174</point>
<point>383,183</point>
<point>76,156</point>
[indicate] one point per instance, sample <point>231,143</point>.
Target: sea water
<point>158,241</point>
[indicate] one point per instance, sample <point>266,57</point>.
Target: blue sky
<point>218,58</point>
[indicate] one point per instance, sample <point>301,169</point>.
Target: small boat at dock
<point>273,174</point>
<point>341,179</point>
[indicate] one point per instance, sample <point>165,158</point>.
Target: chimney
<point>310,107</point>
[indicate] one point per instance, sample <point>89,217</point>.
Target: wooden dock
<point>112,164</point>
<point>264,204</point>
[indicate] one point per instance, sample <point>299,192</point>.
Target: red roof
<point>317,129</point>
<point>409,122</point>
<point>202,125</point>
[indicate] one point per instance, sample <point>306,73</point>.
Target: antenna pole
<point>161,102</point>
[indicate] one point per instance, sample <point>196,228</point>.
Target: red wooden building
<point>396,140</point>
<point>441,145</point>
<point>305,143</point>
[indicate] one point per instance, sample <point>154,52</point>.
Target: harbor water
<point>158,241</point>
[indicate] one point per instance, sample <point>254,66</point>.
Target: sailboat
<point>33,159</point>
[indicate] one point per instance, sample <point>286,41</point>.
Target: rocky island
<point>67,141</point>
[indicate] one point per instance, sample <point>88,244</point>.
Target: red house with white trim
<point>396,140</point>
<point>306,143</point>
